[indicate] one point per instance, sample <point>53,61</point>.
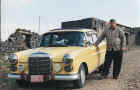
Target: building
<point>21,39</point>
<point>99,25</point>
<point>137,33</point>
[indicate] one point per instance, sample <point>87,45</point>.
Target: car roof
<point>72,30</point>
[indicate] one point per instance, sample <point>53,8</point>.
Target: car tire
<point>80,83</point>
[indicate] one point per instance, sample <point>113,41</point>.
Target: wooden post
<point>0,23</point>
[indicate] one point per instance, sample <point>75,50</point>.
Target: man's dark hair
<point>112,20</point>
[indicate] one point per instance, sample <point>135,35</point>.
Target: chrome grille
<point>40,66</point>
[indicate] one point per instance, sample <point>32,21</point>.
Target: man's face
<point>112,24</point>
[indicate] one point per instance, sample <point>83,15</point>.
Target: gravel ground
<point>129,78</point>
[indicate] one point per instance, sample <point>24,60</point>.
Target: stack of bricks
<point>21,40</point>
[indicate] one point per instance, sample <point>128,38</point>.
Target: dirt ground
<point>129,78</point>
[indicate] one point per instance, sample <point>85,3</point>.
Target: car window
<point>47,39</point>
<point>89,37</point>
<point>94,37</point>
<point>62,39</point>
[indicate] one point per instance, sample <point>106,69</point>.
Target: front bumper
<point>13,76</point>
<point>67,77</point>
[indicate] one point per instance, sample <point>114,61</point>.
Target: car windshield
<point>54,39</point>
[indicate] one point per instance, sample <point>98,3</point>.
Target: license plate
<point>37,78</point>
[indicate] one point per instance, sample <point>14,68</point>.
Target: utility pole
<point>39,26</point>
<point>0,21</point>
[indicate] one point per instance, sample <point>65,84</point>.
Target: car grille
<point>40,66</point>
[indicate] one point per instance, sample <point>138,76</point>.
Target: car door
<point>97,49</point>
<point>101,49</point>
<point>91,52</point>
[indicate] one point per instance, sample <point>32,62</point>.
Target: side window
<point>94,37</point>
<point>84,37</point>
<point>89,37</point>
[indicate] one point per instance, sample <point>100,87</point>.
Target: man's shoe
<point>115,78</point>
<point>104,76</point>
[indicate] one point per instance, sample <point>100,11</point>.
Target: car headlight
<point>13,58</point>
<point>68,59</point>
<point>57,67</point>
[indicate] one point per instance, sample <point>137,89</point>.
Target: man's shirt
<point>115,38</point>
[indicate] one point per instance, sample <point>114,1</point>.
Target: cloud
<point>139,11</point>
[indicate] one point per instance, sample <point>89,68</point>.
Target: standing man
<point>115,46</point>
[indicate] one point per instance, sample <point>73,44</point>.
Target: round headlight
<point>12,58</point>
<point>68,59</point>
<point>57,67</point>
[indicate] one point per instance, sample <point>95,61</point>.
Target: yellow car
<point>63,55</point>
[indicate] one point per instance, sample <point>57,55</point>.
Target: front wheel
<point>81,81</point>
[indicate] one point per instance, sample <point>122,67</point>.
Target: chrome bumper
<point>66,77</point>
<point>55,77</point>
<point>13,76</point>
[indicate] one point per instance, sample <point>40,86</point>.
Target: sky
<point>25,13</point>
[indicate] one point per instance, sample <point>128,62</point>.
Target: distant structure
<point>24,39</point>
<point>0,23</point>
<point>89,23</point>
<point>99,25</point>
<point>137,32</point>
<point>21,40</point>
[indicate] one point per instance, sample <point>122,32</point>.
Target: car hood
<point>57,53</point>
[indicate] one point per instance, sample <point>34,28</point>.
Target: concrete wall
<point>137,33</point>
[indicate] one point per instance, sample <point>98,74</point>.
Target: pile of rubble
<point>21,40</point>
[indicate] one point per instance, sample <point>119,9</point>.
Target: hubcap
<point>83,76</point>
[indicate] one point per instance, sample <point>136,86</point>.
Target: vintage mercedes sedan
<point>63,55</point>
